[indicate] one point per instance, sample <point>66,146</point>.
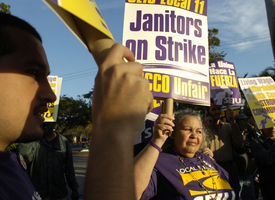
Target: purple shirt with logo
<point>171,180</point>
<point>14,180</point>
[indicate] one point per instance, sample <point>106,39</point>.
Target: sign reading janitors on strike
<point>170,39</point>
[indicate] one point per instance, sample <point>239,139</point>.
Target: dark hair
<point>179,117</point>
<point>7,20</point>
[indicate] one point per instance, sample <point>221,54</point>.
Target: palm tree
<point>269,71</point>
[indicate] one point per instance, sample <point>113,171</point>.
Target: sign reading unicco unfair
<point>170,39</point>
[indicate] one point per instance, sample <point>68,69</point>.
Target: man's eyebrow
<point>40,65</point>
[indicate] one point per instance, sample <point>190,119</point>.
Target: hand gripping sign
<point>83,18</point>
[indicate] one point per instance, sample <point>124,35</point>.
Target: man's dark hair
<point>7,20</point>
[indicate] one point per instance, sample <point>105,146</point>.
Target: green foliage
<point>79,131</point>
<point>269,71</point>
<point>72,113</point>
<point>5,8</point>
<point>88,95</point>
<point>214,42</point>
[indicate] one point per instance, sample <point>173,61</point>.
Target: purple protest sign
<point>224,83</point>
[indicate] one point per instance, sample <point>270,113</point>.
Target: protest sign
<point>260,95</point>
<point>55,83</point>
<point>146,131</point>
<point>224,83</point>
<point>86,22</point>
<point>170,39</point>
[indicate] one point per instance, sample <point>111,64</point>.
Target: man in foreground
<point>25,92</point>
<point>120,102</point>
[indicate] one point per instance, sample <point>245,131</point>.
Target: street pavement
<point>80,163</point>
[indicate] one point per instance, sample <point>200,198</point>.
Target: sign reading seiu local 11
<point>170,39</point>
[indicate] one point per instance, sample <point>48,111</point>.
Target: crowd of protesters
<point>211,159</point>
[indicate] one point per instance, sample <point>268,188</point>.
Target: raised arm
<point>121,100</point>
<point>146,159</point>
<point>236,135</point>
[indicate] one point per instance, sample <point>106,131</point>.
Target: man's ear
<point>172,136</point>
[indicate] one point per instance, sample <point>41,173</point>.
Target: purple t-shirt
<point>14,180</point>
<point>171,180</point>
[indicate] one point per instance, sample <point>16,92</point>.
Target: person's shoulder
<point>203,156</point>
<point>165,157</point>
<point>62,137</point>
<point>6,155</point>
<point>28,144</point>
<point>225,124</point>
<point>206,158</point>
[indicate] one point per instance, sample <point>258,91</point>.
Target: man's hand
<point>75,195</point>
<point>121,95</point>
<point>121,100</point>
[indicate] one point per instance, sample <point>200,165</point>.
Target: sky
<point>243,31</point>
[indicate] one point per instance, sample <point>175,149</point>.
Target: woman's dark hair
<point>7,20</point>
<point>179,117</point>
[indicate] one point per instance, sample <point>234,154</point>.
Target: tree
<point>214,42</point>
<point>88,95</point>
<point>5,8</point>
<point>79,131</point>
<point>269,71</point>
<point>72,113</point>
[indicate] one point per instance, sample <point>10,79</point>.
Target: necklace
<point>213,181</point>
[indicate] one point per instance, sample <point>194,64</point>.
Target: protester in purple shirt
<point>182,172</point>
<point>25,92</point>
<point>263,150</point>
